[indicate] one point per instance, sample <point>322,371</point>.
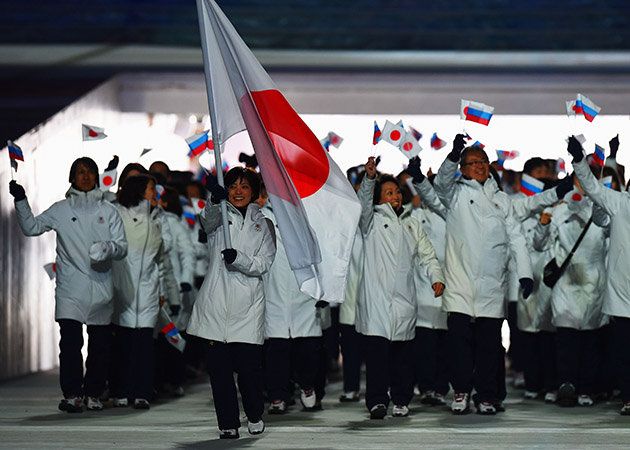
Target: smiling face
<point>150,193</point>
<point>475,166</point>
<point>84,178</point>
<point>390,193</point>
<point>240,193</point>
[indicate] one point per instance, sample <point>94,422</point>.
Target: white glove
<point>101,251</point>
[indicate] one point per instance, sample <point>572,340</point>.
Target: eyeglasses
<point>479,162</point>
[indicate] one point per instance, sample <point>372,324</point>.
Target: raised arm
<point>366,196</point>
<point>29,224</point>
<point>259,263</point>
<point>425,189</point>
<point>445,179</point>
<point>525,207</point>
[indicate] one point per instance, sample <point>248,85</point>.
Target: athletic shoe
<point>71,405</point>
<point>348,397</point>
<point>486,409</point>
<point>141,403</point>
<point>530,395</point>
<point>460,404</point>
<point>228,434</point>
<point>178,391</point>
<point>256,427</point>
<point>308,398</point>
<point>625,409</point>
<point>519,380</point>
<point>551,397</point>
<point>426,398</point>
<point>566,395</point>
<point>400,411</point>
<point>378,411</point>
<point>120,402</point>
<point>93,404</point>
<point>585,400</point>
<point>277,407</point>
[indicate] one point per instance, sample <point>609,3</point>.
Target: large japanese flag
<point>317,210</point>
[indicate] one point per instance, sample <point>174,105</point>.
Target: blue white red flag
<point>415,133</point>
<point>599,157</point>
<point>478,145</point>
<point>15,154</point>
<point>305,186</point>
<point>189,215</point>
<point>376,138</point>
<point>586,107</point>
<point>507,155</point>
<point>436,142</point>
<point>198,143</point>
<point>476,112</point>
<point>530,185</point>
<point>169,330</point>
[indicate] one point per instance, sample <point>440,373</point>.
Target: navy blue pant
<point>430,353</point>
<point>577,358</point>
<point>351,353</point>
<point>284,358</point>
<point>621,341</point>
<point>135,363</point>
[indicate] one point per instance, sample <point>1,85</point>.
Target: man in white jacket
<point>481,235</point>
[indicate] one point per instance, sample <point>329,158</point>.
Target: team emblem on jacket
<point>257,227</point>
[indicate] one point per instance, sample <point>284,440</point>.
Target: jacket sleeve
<point>259,263</point>
<point>210,217</point>
<point>34,226</point>
<point>518,247</point>
<point>430,198</point>
<point>366,196</point>
<point>427,256</point>
<point>600,218</point>
<point>541,241</point>
<point>526,206</point>
<point>168,284</point>
<point>186,251</point>
<point>608,199</point>
<point>118,243</point>
<point>445,182</point>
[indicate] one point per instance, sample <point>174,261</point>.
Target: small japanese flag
<point>108,179</point>
<point>393,134</point>
<point>409,146</point>
<point>335,139</point>
<point>198,204</point>
<point>51,270</point>
<point>91,133</point>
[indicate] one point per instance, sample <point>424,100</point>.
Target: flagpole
<point>213,119</point>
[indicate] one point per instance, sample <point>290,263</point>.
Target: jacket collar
<point>253,211</point>
<point>387,210</point>
<point>94,195</point>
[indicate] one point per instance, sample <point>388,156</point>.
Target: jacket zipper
<point>137,299</point>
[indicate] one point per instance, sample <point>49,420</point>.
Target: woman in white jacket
<point>90,235</point>
<point>137,290</point>
<point>386,310</point>
<point>229,312</point>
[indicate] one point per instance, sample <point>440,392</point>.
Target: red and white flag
<point>91,133</point>
<point>107,179</point>
<point>306,188</point>
<point>393,133</point>
<point>409,146</point>
<point>198,204</point>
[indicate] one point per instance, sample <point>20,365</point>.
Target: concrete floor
<point>29,419</point>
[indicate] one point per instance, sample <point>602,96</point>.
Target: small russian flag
<point>507,155</point>
<point>599,156</point>
<point>189,215</point>
<point>376,138</point>
<point>436,142</point>
<point>198,143</point>
<point>15,154</point>
<point>531,186</point>
<point>478,145</point>
<point>584,105</point>
<point>415,133</point>
<point>607,181</point>
<point>476,112</point>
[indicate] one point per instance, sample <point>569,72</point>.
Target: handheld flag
<point>478,145</point>
<point>325,143</point>
<point>335,139</point>
<point>507,155</point>
<point>586,107</point>
<point>92,133</point>
<point>570,104</point>
<point>305,185</point>
<point>416,134</point>
<point>599,157</point>
<point>393,133</point>
<point>376,138</point>
<point>530,185</point>
<point>198,204</point>
<point>169,330</point>
<point>561,166</point>
<point>409,146</point>
<point>159,189</point>
<point>198,143</point>
<point>476,112</point>
<point>15,154</point>
<point>436,142</point>
<point>51,270</point>
<point>189,215</point>
<point>107,179</point>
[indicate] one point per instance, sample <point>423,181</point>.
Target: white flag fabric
<point>393,133</point>
<point>334,139</point>
<point>107,179</point>
<point>198,204</point>
<point>92,133</point>
<point>305,186</point>
<point>409,146</point>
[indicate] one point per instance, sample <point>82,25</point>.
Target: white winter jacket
<point>137,277</point>
<point>617,205</point>
<point>230,306</point>
<point>178,246</point>
<point>289,313</point>
<point>481,236</point>
<point>348,309</point>
<point>84,288</point>
<point>577,297</point>
<point>387,304</point>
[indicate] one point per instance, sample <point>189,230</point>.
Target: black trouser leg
<point>376,356</point>
<point>425,358</point>
<point>70,358</point>
<point>501,386</point>
<point>351,352</point>
<point>441,381</point>
<point>141,363</point>
<point>322,370</point>
<point>401,372</point>
<point>247,360</point>
<point>307,352</point>
<point>590,362</point>
<point>120,362</point>
<point>487,332</point>
<point>278,368</point>
<point>221,372</point>
<point>515,352</point>
<point>97,363</point>
<point>548,362</point>
<point>331,336</point>
<point>568,355</point>
<point>531,361</point>
<point>621,338</point>
<point>460,343</point>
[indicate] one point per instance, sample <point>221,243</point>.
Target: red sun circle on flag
<point>407,146</point>
<point>201,204</point>
<point>394,135</point>
<point>107,180</point>
<point>576,197</point>
<point>92,133</point>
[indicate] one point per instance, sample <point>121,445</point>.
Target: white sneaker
<point>277,407</point>
<point>71,405</point>
<point>378,411</point>
<point>400,411</point>
<point>551,397</point>
<point>585,400</point>
<point>141,403</point>
<point>347,397</point>
<point>486,409</point>
<point>530,395</point>
<point>416,390</point>
<point>256,427</point>
<point>308,398</point>
<point>519,380</point>
<point>228,434</point>
<point>460,404</point>
<point>625,409</point>
<point>120,402</point>
<point>93,404</point>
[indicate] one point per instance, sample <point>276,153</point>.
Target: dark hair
<point>384,178</point>
<point>158,163</point>
<point>474,149</point>
<point>87,162</point>
<point>173,205</point>
<point>534,163</point>
<point>132,191</point>
<point>159,178</point>
<point>238,173</point>
<point>497,179</point>
<point>199,186</point>
<point>128,168</point>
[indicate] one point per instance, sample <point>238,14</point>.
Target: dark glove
<point>185,287</point>
<point>16,191</point>
<point>527,286</point>
<point>202,237</point>
<point>229,255</point>
<point>458,145</point>
<point>564,187</point>
<point>321,304</point>
<point>413,169</point>
<point>174,310</point>
<point>575,149</point>
<point>614,146</point>
<point>217,193</point>
<point>112,164</point>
